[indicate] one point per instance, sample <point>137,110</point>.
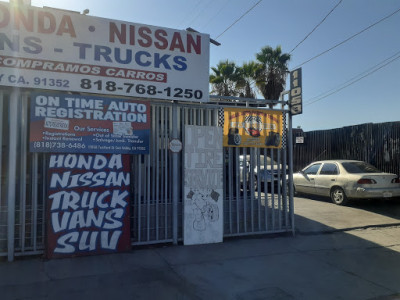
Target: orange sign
<point>246,127</point>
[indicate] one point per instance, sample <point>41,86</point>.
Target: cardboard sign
<point>203,190</point>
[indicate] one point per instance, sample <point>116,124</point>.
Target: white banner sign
<point>203,191</point>
<point>67,51</point>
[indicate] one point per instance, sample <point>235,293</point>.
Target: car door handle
<point>333,179</point>
<point>311,178</point>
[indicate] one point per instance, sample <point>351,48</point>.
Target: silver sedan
<point>345,179</point>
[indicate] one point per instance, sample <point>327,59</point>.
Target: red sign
<point>88,124</point>
<point>88,204</point>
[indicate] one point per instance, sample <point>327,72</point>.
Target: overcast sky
<point>375,98</point>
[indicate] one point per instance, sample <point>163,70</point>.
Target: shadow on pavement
<point>357,265</point>
<point>387,207</point>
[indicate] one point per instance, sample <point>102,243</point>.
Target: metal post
<point>175,183</point>
<point>23,159</point>
<point>12,166</point>
<point>290,146</point>
<point>1,150</point>
<point>290,152</point>
<point>35,179</point>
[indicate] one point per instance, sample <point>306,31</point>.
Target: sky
<point>372,99</point>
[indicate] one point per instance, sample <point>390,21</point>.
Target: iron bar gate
<point>252,204</point>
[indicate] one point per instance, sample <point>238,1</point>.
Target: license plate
<point>387,194</point>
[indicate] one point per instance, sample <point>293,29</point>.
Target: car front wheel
<point>255,184</point>
<point>338,196</point>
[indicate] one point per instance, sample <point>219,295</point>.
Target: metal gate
<point>253,204</point>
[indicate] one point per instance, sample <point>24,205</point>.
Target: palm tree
<point>271,78</point>
<point>248,74</point>
<point>225,79</point>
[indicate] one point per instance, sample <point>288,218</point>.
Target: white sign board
<point>53,49</point>
<point>203,190</point>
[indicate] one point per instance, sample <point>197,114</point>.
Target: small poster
<point>203,190</point>
<point>88,204</point>
<point>252,128</point>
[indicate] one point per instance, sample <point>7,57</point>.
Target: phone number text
<point>58,145</point>
<point>140,89</point>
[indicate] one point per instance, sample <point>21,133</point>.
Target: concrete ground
<point>337,253</point>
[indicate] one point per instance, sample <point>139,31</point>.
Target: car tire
<point>294,191</point>
<point>338,196</point>
<point>254,186</point>
<point>237,139</point>
<point>288,189</point>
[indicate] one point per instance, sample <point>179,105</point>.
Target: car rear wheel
<point>255,184</point>
<point>338,196</point>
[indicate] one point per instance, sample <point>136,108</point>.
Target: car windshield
<point>359,167</point>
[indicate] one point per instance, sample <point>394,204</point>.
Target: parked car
<point>342,180</point>
<point>268,171</point>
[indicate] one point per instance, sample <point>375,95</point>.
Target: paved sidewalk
<point>336,254</point>
<point>342,265</point>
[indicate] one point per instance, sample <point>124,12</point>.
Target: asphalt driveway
<point>317,214</point>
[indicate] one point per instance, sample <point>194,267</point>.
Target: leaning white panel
<point>203,185</point>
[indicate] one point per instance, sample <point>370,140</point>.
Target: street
<point>337,253</point>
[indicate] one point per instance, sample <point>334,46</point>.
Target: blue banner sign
<point>88,124</point>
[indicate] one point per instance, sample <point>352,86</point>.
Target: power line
<point>355,79</point>
<point>230,26</point>
<point>349,38</point>
<point>187,16</point>
<point>209,21</point>
<point>200,12</point>
<point>316,26</point>
<point>351,79</point>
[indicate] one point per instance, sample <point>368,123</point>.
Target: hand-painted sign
<point>88,204</point>
<point>203,187</point>
<point>252,128</point>
<point>82,124</point>
<point>60,50</point>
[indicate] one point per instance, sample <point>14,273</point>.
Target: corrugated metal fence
<point>377,144</point>
<point>252,204</point>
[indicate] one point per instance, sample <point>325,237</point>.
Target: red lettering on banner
<point>191,43</point>
<point>160,36</point>
<point>177,42</point>
<point>159,39</point>
<point>27,18</point>
<point>6,16</point>
<point>45,17</point>
<point>75,68</point>
<point>144,33</point>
